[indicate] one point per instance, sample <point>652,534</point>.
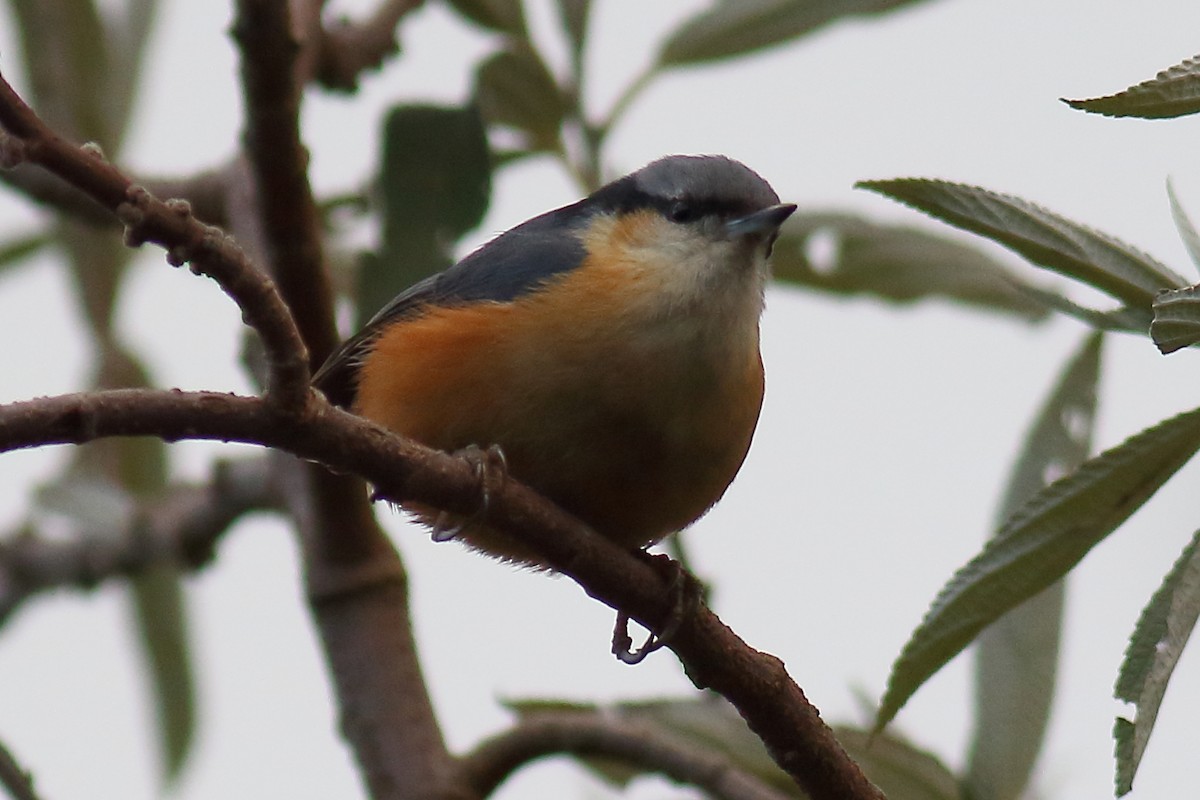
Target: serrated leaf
<point>515,88</point>
<point>1045,238</point>
<point>1176,322</point>
<point>1161,633</point>
<point>735,27</point>
<point>1174,92</point>
<point>1187,231</point>
<point>896,263</point>
<point>505,16</point>
<point>1016,658</point>
<point>436,185</point>
<point>1040,543</point>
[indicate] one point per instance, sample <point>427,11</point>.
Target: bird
<point>606,351</point>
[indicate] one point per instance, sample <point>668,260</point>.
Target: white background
<point>884,442</point>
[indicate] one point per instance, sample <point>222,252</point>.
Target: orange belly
<point>637,447</point>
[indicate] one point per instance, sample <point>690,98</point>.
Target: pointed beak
<point>761,223</point>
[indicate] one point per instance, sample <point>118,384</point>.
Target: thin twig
<point>628,742</point>
<point>171,225</point>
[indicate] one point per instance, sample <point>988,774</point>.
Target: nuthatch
<point>609,348</point>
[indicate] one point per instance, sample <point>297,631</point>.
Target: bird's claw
<point>491,471</point>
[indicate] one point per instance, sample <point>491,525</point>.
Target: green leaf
<point>131,32</point>
<point>1173,92</point>
<point>896,263</point>
<point>1176,319</point>
<point>514,88</point>
<point>1040,543</point>
<point>712,724</point>
<point>1157,643</point>
<point>899,768</point>
<point>1187,231</point>
<point>1125,318</point>
<point>735,27</point>
<point>1016,658</point>
<point>436,184</point>
<point>159,604</point>
<point>504,16</point>
<point>573,14</point>
<point>16,252</point>
<point>1041,236</point>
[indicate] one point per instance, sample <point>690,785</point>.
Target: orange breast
<point>632,421</point>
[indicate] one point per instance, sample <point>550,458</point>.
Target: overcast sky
<point>882,449</point>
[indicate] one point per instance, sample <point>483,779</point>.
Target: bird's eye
<point>682,211</point>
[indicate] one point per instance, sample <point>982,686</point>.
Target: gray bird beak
<point>760,223</point>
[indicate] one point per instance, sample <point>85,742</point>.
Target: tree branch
<point>347,49</point>
<point>204,191</point>
<point>279,162</point>
<point>170,225</point>
<point>756,683</point>
<point>181,528</point>
<point>593,734</point>
<point>357,586</point>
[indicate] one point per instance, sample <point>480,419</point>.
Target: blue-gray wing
<point>512,264</point>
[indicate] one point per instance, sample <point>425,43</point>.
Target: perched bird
<point>609,348</point>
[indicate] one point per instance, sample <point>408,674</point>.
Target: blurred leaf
<point>1187,231</point>
<point>709,723</point>
<point>436,183</point>
<point>130,33</point>
<point>897,263</point>
<point>574,17</point>
<point>735,27</point>
<point>899,768</point>
<point>1041,236</point>
<point>504,16</point>
<point>514,88</point>
<point>1154,649</point>
<point>68,61</point>
<point>16,252</point>
<point>1173,92</point>
<point>1126,318</point>
<point>159,606</point>
<point>712,724</point>
<point>1176,319</point>
<point>1016,658</point>
<point>1039,544</point>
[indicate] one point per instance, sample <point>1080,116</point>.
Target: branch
<point>18,782</point>
<point>181,528</point>
<point>279,162</point>
<point>403,471</point>
<point>591,734</point>
<point>347,49</point>
<point>205,191</point>
<point>296,420</point>
<point>357,586</point>
<point>169,224</point>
